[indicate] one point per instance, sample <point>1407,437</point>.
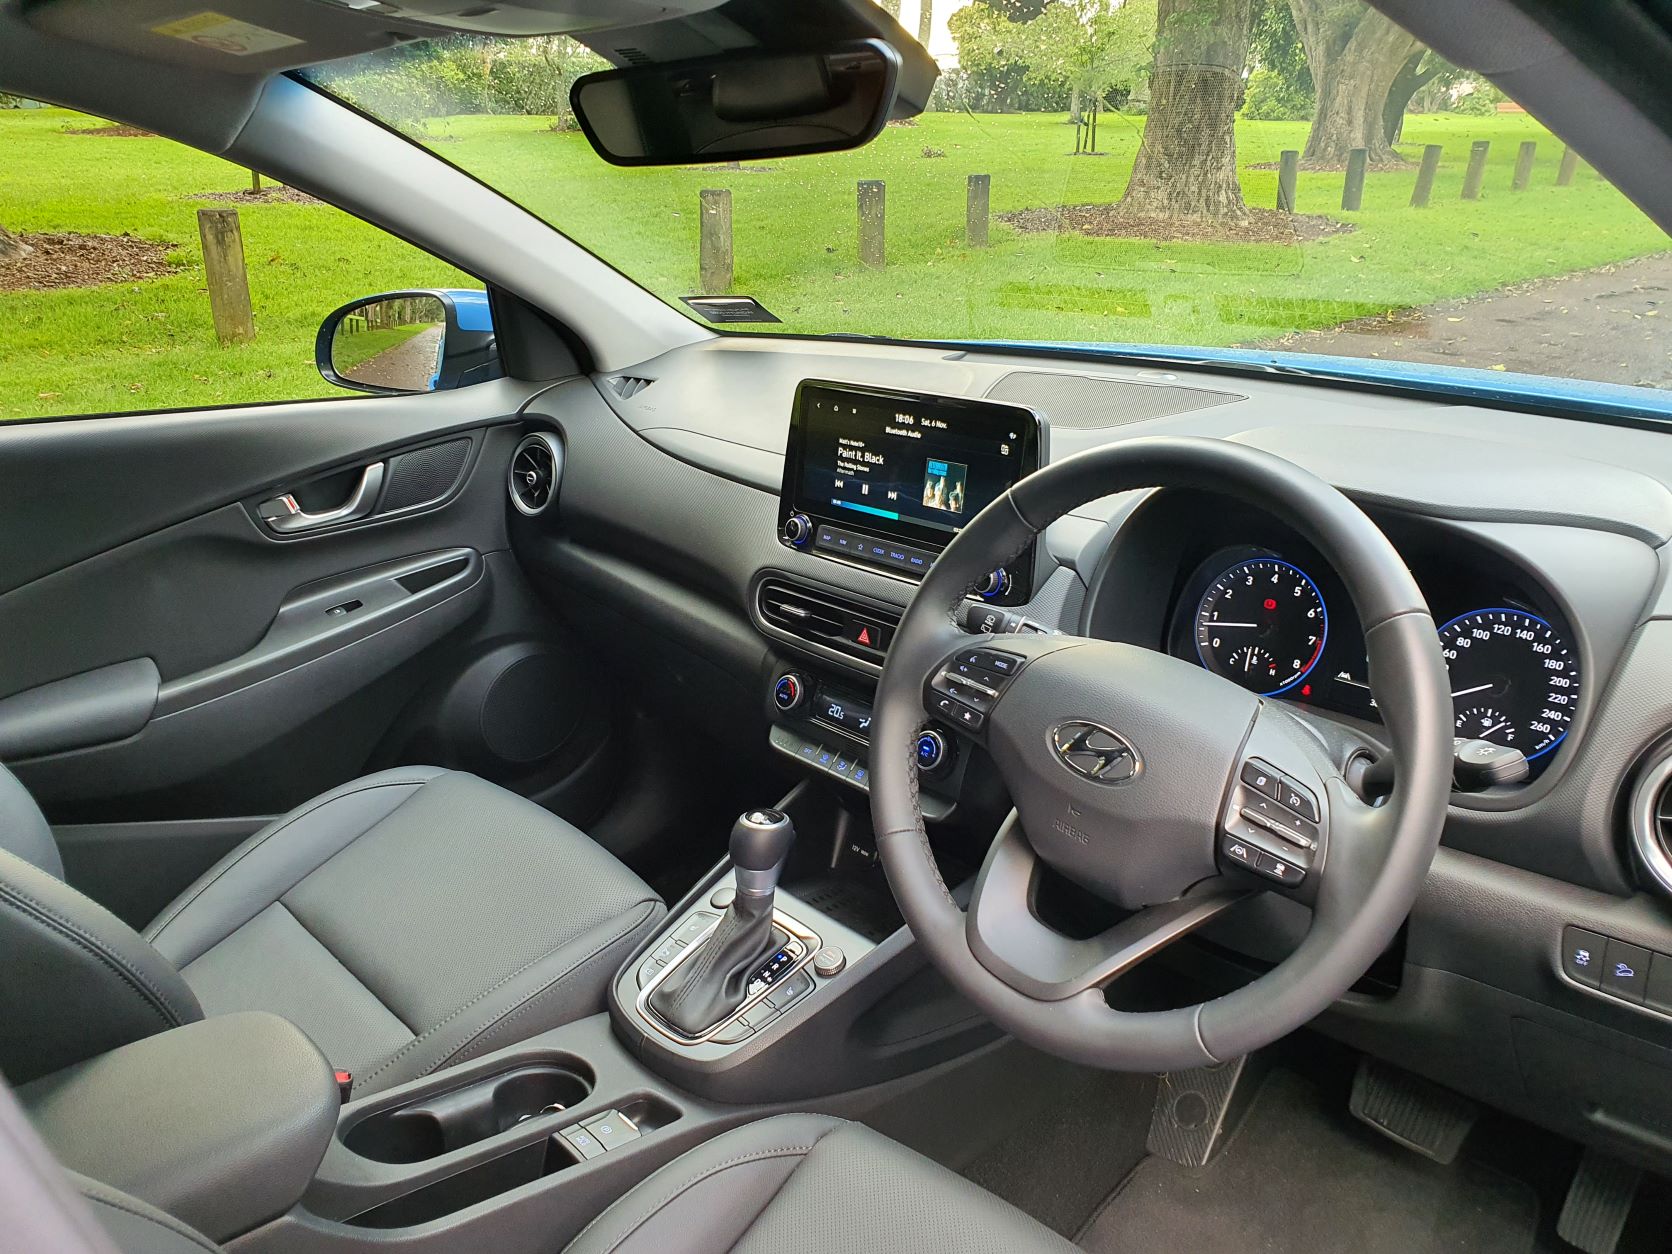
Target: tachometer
<point>1514,680</point>
<point>1263,624</point>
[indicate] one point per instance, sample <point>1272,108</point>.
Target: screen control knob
<point>931,750</point>
<point>796,531</point>
<point>789,692</point>
<point>995,583</point>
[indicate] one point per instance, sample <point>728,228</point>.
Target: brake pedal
<point>1195,1109</point>
<point>1598,1203</point>
<point>1414,1112</point>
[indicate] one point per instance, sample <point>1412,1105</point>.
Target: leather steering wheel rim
<point>1370,863</point>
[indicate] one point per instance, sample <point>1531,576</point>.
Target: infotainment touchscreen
<point>886,478</point>
<point>904,463</point>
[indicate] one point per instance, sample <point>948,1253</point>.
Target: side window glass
<point>137,273</point>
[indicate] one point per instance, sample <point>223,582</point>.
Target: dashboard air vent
<point>824,618</point>
<point>1651,816</point>
<point>536,469</point>
<point>625,385</point>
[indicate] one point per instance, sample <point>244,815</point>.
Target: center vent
<point>536,469</point>
<point>627,385</point>
<point>1651,817</point>
<point>826,619</point>
<point>1083,402</point>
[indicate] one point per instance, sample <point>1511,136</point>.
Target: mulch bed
<point>82,261</point>
<point>266,196</point>
<point>1320,167</point>
<point>113,132</point>
<point>1264,226</point>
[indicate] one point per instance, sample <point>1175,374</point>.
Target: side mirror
<point>739,106</point>
<point>419,341</point>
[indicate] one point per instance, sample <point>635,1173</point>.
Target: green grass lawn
<point>151,345</point>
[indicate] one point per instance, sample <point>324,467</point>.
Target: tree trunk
<point>1354,54</point>
<point>1411,79</point>
<point>892,8</point>
<point>1074,106</point>
<point>1187,163</point>
<point>11,247</point>
<point>925,22</point>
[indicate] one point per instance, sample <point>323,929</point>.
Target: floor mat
<point>1301,1175</point>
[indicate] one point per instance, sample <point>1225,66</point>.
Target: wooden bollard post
<point>714,241</point>
<point>1352,191</point>
<point>1473,176</point>
<point>1570,164</point>
<point>1425,176</point>
<point>1288,164</point>
<point>976,207</point>
<point>1524,165</point>
<point>872,198</point>
<point>223,268</point>
<point>255,181</point>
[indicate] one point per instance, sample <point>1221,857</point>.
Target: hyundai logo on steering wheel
<point>1096,753</point>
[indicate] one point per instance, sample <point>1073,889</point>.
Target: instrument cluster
<point>1278,621</point>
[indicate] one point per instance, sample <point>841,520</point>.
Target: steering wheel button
<point>1241,852</point>
<point>1294,797</point>
<point>1260,777</point>
<point>1282,872</point>
<point>992,660</point>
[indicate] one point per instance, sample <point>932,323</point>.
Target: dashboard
<point>1540,543</point>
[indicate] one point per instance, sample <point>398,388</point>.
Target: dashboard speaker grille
<point>535,471</point>
<point>1088,403</point>
<point>1651,817</point>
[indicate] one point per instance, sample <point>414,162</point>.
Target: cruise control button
<point>1260,777</point>
<point>1293,796</point>
<point>1582,956</point>
<point>1625,970</point>
<point>1282,872</point>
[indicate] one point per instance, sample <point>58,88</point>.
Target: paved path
<point>408,364</point>
<point>1613,325</point>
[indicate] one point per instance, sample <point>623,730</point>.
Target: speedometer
<point>1514,679</point>
<point>1263,624</point>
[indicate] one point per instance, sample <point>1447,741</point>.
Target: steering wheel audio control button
<point>992,661</point>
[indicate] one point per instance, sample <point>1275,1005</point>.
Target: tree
<point>925,21</point>
<point>1421,69</point>
<point>1187,163</point>
<point>11,247</point>
<point>892,8</point>
<point>1354,54</point>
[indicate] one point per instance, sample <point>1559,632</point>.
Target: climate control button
<point>789,692</point>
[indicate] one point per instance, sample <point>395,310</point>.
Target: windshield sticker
<point>220,33</point>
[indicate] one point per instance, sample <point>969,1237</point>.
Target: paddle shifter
<point>712,983</point>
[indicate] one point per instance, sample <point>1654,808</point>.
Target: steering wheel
<point>1156,785</point>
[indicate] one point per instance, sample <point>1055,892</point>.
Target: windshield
<point>1298,178</point>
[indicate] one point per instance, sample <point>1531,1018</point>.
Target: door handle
<point>283,515</point>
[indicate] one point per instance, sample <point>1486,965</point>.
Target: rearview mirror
<point>739,106</point>
<point>417,341</point>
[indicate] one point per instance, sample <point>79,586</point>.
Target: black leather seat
<point>812,1185</point>
<point>802,1184</point>
<point>404,921</point>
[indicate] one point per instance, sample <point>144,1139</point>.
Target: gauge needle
<point>1492,729</point>
<point>1217,623</point>
<point>1466,691</point>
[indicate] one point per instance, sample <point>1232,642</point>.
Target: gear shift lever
<point>709,985</point>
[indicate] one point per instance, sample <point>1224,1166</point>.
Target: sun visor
<point>262,37</point>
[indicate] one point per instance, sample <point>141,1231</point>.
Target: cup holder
<point>436,1125</point>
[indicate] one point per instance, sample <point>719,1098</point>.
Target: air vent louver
<point>536,469</point>
<point>626,385</point>
<point>824,619</point>
<point>1651,817</point>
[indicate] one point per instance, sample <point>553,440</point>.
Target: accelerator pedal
<point>1418,1114</point>
<point>1598,1202</point>
<point>1196,1109</point>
